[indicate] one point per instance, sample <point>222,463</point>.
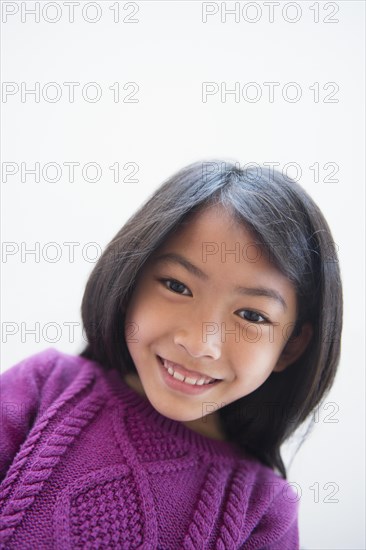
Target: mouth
<point>188,377</point>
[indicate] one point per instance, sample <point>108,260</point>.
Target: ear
<point>294,348</point>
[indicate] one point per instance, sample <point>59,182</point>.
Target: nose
<point>200,343</point>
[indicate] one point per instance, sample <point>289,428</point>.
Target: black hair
<point>292,229</point>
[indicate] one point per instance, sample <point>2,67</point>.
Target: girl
<point>213,321</point>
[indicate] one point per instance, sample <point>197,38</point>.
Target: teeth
<point>193,381</point>
<point>178,376</point>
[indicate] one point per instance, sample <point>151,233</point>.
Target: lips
<point>184,372</point>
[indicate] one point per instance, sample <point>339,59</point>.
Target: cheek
<point>139,306</point>
<point>253,370</point>
<point>143,322</point>
<point>255,359</point>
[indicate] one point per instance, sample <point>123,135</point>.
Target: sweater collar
<point>130,398</point>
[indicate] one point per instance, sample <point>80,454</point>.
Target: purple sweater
<point>86,462</point>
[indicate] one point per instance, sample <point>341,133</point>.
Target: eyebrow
<point>172,257</point>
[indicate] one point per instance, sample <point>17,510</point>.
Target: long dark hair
<point>294,232</point>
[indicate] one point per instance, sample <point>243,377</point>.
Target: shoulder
<point>267,484</point>
<point>45,364</point>
<point>40,378</point>
<point>44,360</point>
<point>272,505</point>
<point>35,385</point>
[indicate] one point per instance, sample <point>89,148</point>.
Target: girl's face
<point>188,313</point>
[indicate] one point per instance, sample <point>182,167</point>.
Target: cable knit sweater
<point>86,462</point>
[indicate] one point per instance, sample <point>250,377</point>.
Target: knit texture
<point>86,462</point>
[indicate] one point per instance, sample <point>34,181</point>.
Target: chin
<point>173,412</point>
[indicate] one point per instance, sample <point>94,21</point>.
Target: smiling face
<point>187,313</point>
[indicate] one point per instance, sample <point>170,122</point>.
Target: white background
<point>169,52</point>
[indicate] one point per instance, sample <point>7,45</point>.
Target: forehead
<point>210,225</point>
<point>214,236</point>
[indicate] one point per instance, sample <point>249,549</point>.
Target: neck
<point>208,426</point>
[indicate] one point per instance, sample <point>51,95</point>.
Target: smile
<point>180,373</point>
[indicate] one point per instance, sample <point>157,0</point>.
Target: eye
<point>253,316</point>
<point>175,286</point>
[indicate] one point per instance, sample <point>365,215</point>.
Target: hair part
<point>292,230</point>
